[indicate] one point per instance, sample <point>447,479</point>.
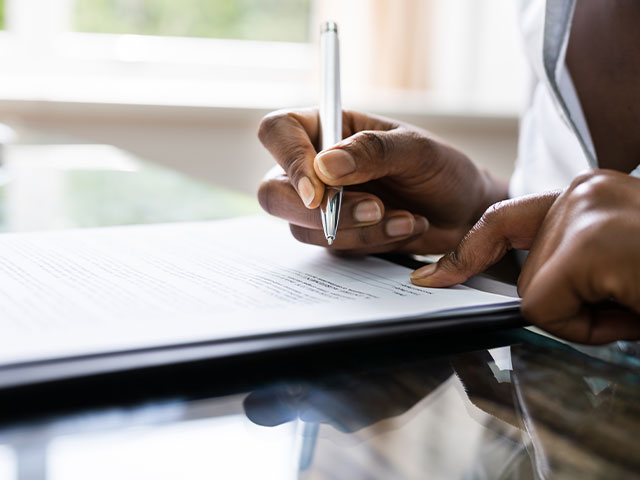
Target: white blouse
<point>554,143</point>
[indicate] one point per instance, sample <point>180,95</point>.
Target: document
<point>77,292</point>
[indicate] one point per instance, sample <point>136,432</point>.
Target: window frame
<point>40,57</point>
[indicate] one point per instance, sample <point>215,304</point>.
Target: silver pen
<point>330,121</point>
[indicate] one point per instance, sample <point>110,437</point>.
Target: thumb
<point>371,154</point>
<point>505,225</point>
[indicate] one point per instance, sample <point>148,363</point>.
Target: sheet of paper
<point>73,292</point>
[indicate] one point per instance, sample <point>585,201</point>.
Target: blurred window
<point>264,20</point>
<point>456,56</point>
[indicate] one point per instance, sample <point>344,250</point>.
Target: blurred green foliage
<point>274,20</point>
<point>1,14</point>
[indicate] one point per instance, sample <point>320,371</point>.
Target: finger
<point>436,240</point>
<point>554,303</point>
<point>606,326</point>
<point>398,246</point>
<point>372,154</point>
<point>290,137</point>
<point>505,225</point>
<point>397,225</point>
<point>277,197</point>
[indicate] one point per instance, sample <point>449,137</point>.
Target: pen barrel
<point>330,121</point>
<point>330,101</point>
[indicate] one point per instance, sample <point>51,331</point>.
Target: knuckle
<point>493,215</point>
<point>266,192</point>
<point>585,177</point>
<point>591,187</point>
<point>363,237</point>
<point>268,124</point>
<point>612,284</point>
<point>425,144</point>
<point>372,145</point>
<point>455,259</point>
<point>297,160</point>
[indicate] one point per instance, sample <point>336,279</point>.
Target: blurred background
<point>184,83</point>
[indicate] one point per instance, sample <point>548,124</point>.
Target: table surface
<point>514,404</point>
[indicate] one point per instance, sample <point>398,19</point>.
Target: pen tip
<point>330,240</point>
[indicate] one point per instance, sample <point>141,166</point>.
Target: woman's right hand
<point>404,190</point>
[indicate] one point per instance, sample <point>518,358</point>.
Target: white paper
<point>74,292</point>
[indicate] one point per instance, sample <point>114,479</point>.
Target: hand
<point>405,190</point>
<point>357,397</point>
<point>584,250</point>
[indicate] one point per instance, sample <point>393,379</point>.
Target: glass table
<point>508,404</point>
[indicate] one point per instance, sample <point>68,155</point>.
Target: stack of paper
<point>75,292</point>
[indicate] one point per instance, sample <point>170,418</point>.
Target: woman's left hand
<point>584,247</point>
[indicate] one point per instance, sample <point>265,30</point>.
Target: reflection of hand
<point>482,388</point>
<point>584,249</point>
<point>348,402</point>
<point>407,191</point>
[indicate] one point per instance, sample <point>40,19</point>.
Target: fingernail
<point>367,211</point>
<point>424,272</point>
<point>335,163</point>
<point>306,190</point>
<point>399,226</point>
<point>424,221</point>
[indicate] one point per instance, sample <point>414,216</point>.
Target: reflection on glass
<point>278,20</point>
<point>549,412</point>
<point>226,447</point>
<point>61,186</point>
<point>8,469</point>
<point>582,413</point>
